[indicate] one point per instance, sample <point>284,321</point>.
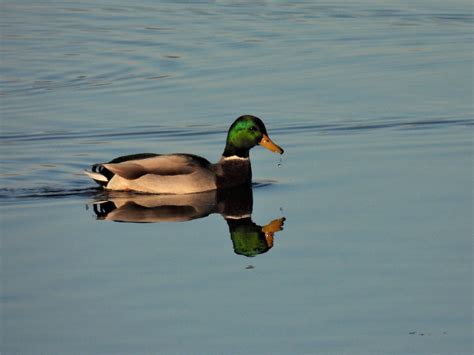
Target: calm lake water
<point>373,104</point>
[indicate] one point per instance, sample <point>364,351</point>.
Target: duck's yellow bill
<point>267,143</point>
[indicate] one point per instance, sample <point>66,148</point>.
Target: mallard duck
<point>188,173</point>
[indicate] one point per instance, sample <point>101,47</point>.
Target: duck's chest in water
<point>233,172</point>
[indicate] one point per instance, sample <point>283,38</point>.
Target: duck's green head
<point>245,133</point>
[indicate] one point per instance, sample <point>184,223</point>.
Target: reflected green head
<point>249,240</point>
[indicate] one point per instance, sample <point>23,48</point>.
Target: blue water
<point>373,104</point>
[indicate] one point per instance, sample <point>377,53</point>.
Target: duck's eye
<point>253,128</point>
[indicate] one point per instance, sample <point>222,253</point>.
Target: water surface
<point>373,105</point>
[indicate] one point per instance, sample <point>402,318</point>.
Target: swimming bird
<point>182,173</point>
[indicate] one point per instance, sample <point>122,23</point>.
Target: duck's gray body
<point>171,173</point>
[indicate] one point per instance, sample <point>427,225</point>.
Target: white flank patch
<point>96,176</point>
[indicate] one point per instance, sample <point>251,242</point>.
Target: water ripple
<point>131,40</point>
<point>157,131</point>
<point>204,130</point>
<point>58,192</point>
<point>45,192</point>
<point>362,126</point>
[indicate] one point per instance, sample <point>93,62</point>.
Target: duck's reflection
<point>235,205</point>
